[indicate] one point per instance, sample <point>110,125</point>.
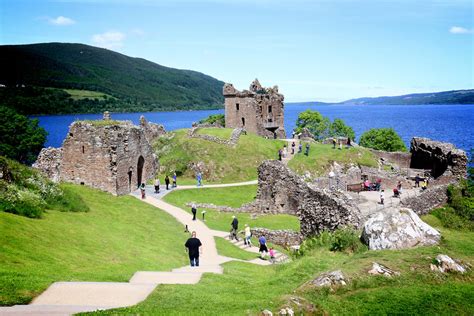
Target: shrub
<point>450,219</point>
<point>344,239</point>
<point>67,201</point>
<point>385,139</point>
<point>321,127</point>
<point>211,119</point>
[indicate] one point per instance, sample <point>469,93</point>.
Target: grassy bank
<point>116,238</point>
<point>247,289</point>
<point>233,197</point>
<point>222,163</point>
<point>321,156</point>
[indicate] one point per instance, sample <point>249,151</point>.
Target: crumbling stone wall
<point>284,238</point>
<point>151,130</point>
<point>280,190</point>
<point>49,162</point>
<point>258,110</point>
<point>427,200</point>
<point>401,159</point>
<point>441,158</point>
<point>113,156</point>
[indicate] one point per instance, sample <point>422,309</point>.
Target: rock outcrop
<point>379,269</point>
<point>441,158</point>
<point>398,229</point>
<point>333,278</point>
<point>444,263</point>
<point>280,190</point>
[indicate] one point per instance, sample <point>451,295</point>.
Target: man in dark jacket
<point>235,226</point>
<point>194,248</point>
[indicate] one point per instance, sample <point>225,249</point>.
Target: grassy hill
<point>116,238</point>
<point>135,84</point>
<point>225,164</point>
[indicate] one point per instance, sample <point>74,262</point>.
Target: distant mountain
<point>446,97</point>
<point>128,84</point>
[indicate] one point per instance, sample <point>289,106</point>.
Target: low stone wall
<point>284,238</point>
<point>398,158</point>
<point>427,200</point>
<point>232,141</point>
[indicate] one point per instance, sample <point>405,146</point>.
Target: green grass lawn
<point>223,133</point>
<point>322,156</point>
<point>246,289</point>
<point>225,164</point>
<point>234,197</point>
<point>87,94</point>
<point>116,238</point>
<point>226,248</point>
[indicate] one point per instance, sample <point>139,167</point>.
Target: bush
<point>67,201</point>
<point>450,219</point>
<point>321,127</point>
<point>385,139</point>
<point>344,239</point>
<point>216,118</point>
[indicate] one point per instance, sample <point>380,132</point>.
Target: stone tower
<point>258,110</point>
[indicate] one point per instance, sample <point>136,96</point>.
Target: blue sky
<point>313,50</point>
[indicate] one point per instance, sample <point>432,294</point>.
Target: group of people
<point>369,186</point>
<point>421,182</point>
<point>283,153</point>
<point>335,141</point>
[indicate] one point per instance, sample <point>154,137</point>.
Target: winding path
<point>65,298</point>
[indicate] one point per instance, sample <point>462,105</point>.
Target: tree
<point>22,138</point>
<point>216,118</point>
<point>317,124</point>
<point>385,139</point>
<point>340,129</point>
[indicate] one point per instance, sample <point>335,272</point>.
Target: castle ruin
<point>113,156</point>
<point>258,110</point>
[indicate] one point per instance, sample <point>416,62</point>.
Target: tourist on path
<point>194,248</point>
<point>285,151</point>
<point>399,187</point>
<point>235,226</point>
<point>174,180</point>
<point>300,148</point>
<point>348,144</point>
<point>382,197</point>
<point>333,143</point>
<point>157,185</point>
<point>307,149</point>
<point>199,179</point>
<point>293,145</point>
<point>194,211</point>
<point>248,236</point>
<point>263,246</point>
<point>424,185</point>
<point>280,153</point>
<point>167,182</point>
<point>271,252</point>
<point>142,190</point>
<point>417,181</point>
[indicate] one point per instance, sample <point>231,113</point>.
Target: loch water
<point>449,123</point>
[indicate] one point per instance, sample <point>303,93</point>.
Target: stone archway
<point>141,162</point>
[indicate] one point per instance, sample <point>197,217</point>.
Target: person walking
<point>285,151</point>
<point>235,226</point>
<point>417,181</point>
<point>174,180</point>
<point>307,149</point>
<point>142,190</point>
<point>293,145</point>
<point>263,247</point>
<point>280,153</point>
<point>194,211</point>
<point>167,182</point>
<point>271,252</point>
<point>199,179</point>
<point>333,143</point>
<point>382,197</point>
<point>300,148</point>
<point>157,185</point>
<point>193,247</point>
<point>248,236</point>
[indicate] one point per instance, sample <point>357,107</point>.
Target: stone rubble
<point>444,263</point>
<point>333,278</point>
<point>379,269</point>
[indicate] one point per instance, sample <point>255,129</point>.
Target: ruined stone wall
<point>232,141</point>
<point>258,110</point>
<point>441,158</point>
<point>398,158</point>
<point>427,200</point>
<point>280,190</point>
<point>102,156</point>
<point>151,130</point>
<point>284,238</point>
<point>49,162</point>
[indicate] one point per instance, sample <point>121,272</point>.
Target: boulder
<point>444,263</point>
<point>394,228</point>
<point>379,269</point>
<point>330,279</point>
<point>266,312</point>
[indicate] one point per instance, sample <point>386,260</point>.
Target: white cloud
<point>61,21</point>
<point>111,39</point>
<point>460,30</point>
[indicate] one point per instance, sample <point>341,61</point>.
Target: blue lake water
<point>450,123</point>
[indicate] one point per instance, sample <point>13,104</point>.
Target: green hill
<point>128,84</point>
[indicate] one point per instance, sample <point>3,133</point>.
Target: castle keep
<point>258,110</point>
<point>113,156</point>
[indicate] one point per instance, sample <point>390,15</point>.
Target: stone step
<point>151,277</point>
<point>101,294</point>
